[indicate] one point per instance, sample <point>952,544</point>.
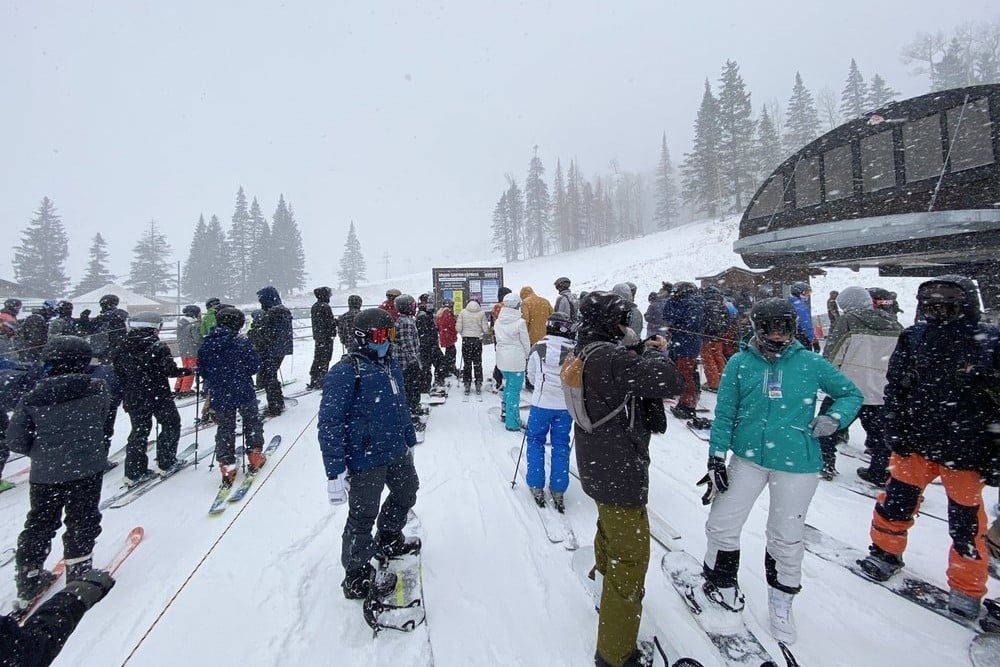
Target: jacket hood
<point>970,306</point>
<point>59,389</point>
<point>354,301</point>
<point>268,297</point>
<point>855,298</point>
<point>623,290</point>
<point>136,339</point>
<point>473,306</point>
<point>526,292</point>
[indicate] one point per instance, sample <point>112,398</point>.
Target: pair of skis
<point>230,494</point>
<point>556,524</point>
<point>130,494</point>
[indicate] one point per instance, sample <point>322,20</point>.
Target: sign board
<point>465,284</point>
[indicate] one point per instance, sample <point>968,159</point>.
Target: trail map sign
<point>465,284</point>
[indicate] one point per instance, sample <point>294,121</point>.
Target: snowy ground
<point>259,585</point>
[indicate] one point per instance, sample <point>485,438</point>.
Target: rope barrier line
<point>211,549</point>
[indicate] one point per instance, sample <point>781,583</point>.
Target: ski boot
<point>131,482</point>
<point>77,567</point>
<point>479,389</point>
<point>468,388</point>
<point>880,565</point>
<point>963,606</point>
<point>368,583</point>
<point>867,475</point>
<point>683,413</point>
<point>172,469</point>
<point>228,474</point>
<point>394,545</point>
<point>31,582</point>
<point>255,460</point>
<point>539,496</point>
<point>559,502</point>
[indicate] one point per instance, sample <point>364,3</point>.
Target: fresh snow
<point>260,584</point>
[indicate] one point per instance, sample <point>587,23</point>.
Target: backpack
<point>571,374</point>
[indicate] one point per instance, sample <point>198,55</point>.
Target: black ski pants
<point>400,477</point>
<point>431,367</point>
<point>268,376</point>
<point>411,385</point>
<point>448,363</point>
<point>472,360</point>
<point>322,353</point>
<point>4,449</point>
<point>79,500</point>
<point>225,434</point>
<point>165,411</point>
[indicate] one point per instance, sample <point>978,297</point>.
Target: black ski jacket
<point>145,366</point>
<point>324,324</point>
<point>44,633</point>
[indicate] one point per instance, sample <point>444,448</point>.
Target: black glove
<point>815,346</point>
<point>85,314</point>
<point>91,587</point>
<point>717,479</point>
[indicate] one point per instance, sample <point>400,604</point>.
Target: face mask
<point>381,349</point>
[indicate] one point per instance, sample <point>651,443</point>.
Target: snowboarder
<point>188,341</point>
<point>144,366</point>
<point>366,439</point>
<point>227,362</point>
<point>613,461</point>
<point>406,351</point>
<point>275,338</point>
<point>324,331</point>
<point>431,359</point>
<point>67,465</point>
<point>566,302</point>
<point>471,325</point>
<point>447,337</point>
<point>548,417</point>
<point>512,348</point>
<point>939,410</point>
<point>799,298</point>
<point>766,415</point>
<point>345,325</point>
<point>684,315</point>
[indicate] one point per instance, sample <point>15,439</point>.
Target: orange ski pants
<point>185,382</point>
<point>968,558</point>
<point>713,361</point>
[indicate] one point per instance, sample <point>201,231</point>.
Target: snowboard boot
<point>867,475</point>
<point>135,481</point>
<point>255,460</point>
<point>829,470</point>
<point>367,582</point>
<point>559,502</point>
<point>228,474</point>
<point>479,389</point>
<point>77,567</point>
<point>962,605</point>
<point>779,606</point>
<point>880,565</point>
<point>31,582</point>
<point>468,388</point>
<point>394,545</point>
<point>539,496</point>
<point>683,413</point>
<point>642,656</point>
<point>729,598</point>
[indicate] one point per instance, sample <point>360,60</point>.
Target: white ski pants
<point>790,495</point>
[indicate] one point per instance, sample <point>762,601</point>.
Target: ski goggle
<point>379,336</point>
<point>941,303</point>
<point>775,325</point>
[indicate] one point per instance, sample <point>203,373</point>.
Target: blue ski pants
<point>512,383</point>
<point>555,424</point>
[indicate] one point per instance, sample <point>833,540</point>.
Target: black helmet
<point>559,324</point>
<point>948,298</point>
<point>64,308</point>
<point>562,283</point>
<point>354,301</point>
<point>230,318</point>
<point>12,304</point>
<point>601,313</point>
<point>405,304</point>
<point>109,301</point>
<point>323,293</point>
<point>798,288</point>
<point>191,311</point>
<point>145,320</point>
<point>502,292</point>
<point>684,288</point>
<point>212,303</point>
<point>369,320</point>
<point>67,354</point>
<point>769,315</point>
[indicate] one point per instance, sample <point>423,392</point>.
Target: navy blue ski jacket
<point>364,422</point>
<point>227,362</point>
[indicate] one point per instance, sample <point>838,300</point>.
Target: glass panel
<point>837,174</point>
<point>807,182</point>
<point>771,199</point>
<point>877,168</point>
<point>973,145</point>
<point>922,148</point>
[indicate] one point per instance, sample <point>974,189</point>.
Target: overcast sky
<point>403,116</point>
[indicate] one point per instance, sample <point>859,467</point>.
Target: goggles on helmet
<point>379,336</point>
<point>772,325</point>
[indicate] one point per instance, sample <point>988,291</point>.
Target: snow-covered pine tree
<point>954,70</point>
<point>39,262</point>
<point>262,268</point>
<point>879,93</point>
<point>218,259</point>
<point>828,107</point>
<point>352,262</point>
<point>801,119</point>
<point>536,208</point>
<point>573,185</point>
<point>588,209</point>
<point>854,98</point>
<point>515,217</point>
<point>700,169</point>
<point>150,273</point>
<point>288,256</point>
<point>97,275</point>
<point>196,279</point>
<point>767,146</point>
<point>736,128</point>
<point>240,249</point>
<point>923,53</point>
<point>560,216</point>
<point>501,229</point>
<point>665,214</point>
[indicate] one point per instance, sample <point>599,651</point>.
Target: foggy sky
<point>403,116</point>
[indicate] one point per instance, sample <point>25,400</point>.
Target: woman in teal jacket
<point>766,414</point>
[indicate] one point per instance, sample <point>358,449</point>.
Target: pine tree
<point>736,129</point>
<point>802,121</point>
<point>854,98</point>
<point>261,270</point>
<point>288,257</point>
<point>502,236</point>
<point>352,262</point>
<point>536,208</point>
<point>879,93</point>
<point>97,275</point>
<point>240,245</point>
<point>665,214</point>
<point>39,262</point>
<point>196,278</point>
<point>573,186</point>
<point>700,170</point>
<point>953,69</point>
<point>515,217</point>
<point>150,273</point>
<point>767,147</point>
<point>588,209</point>
<point>218,260</point>
<point>560,215</point>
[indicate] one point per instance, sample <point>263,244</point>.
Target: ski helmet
<point>67,354</point>
<point>603,313</point>
<point>212,303</point>
<point>559,324</point>
<point>12,304</point>
<point>230,318</point>
<point>373,320</point>
<point>145,320</point>
<point>562,283</point>
<point>773,315</point>
<point>799,288</point>
<point>948,298</point>
<point>191,311</point>
<point>684,288</point>
<point>405,304</point>
<point>354,301</point>
<point>323,293</point>
<point>392,293</point>
<point>65,309</point>
<point>109,301</point>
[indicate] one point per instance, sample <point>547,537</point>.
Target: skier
<point>447,337</point>
<point>275,337</point>
<point>859,345</point>
<point>535,310</point>
<point>806,334</point>
<point>716,326</point>
<point>208,321</point>
<point>548,417</point>
<point>63,323</point>
<point>684,315</point>
<point>766,415</point>
<point>471,325</point>
<point>613,461</point>
<point>34,331</point>
<point>939,411</point>
<point>228,362</point>
<point>566,302</point>
<point>188,341</point>
<point>324,331</point>
<point>8,318</point>
<point>67,465</point>
<point>512,348</point>
<point>366,439</point>
<point>389,305</point>
<point>145,365</point>
<point>345,325</point>
<point>112,325</point>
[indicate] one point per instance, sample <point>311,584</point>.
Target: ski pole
<point>244,447</point>
<point>513,480</point>
<point>197,415</point>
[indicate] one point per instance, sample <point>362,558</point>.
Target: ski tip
<point>136,534</point>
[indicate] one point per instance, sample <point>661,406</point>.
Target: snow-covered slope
<point>259,585</point>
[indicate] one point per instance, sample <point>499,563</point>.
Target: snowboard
<point>904,583</point>
<point>863,488</point>
<point>696,426</point>
<point>556,524</point>
<point>734,641</point>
